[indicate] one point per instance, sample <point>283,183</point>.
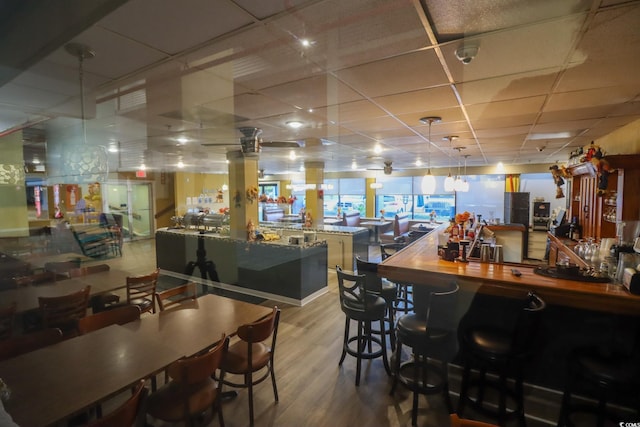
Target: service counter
<point>343,243</point>
<point>578,313</point>
<point>295,274</point>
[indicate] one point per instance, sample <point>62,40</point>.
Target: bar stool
<point>365,308</point>
<point>382,287</point>
<point>404,299</point>
<point>502,351</point>
<point>431,336</point>
<point>603,374</point>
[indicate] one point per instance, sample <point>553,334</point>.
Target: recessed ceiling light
<point>418,162</point>
<point>180,164</point>
<point>305,42</point>
<point>113,149</point>
<point>354,165</point>
<point>377,149</point>
<point>292,155</point>
<point>183,140</point>
<point>294,124</point>
<point>310,110</point>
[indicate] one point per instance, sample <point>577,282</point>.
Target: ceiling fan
<point>250,142</point>
<point>387,169</point>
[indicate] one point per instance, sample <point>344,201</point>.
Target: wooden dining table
<point>26,297</point>
<point>196,325</point>
<point>54,383</point>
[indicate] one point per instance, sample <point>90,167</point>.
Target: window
<point>344,195</point>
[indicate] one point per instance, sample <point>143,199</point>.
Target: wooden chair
<point>7,318</point>
<point>250,355</point>
<point>192,388</point>
<point>117,316</point>
<point>64,311</point>
<point>141,291</point>
<point>461,422</point>
<point>91,269</point>
<point>176,296</point>
<point>20,344</point>
<point>130,413</point>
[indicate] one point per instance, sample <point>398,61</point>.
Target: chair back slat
<point>373,282</point>
<point>195,369</point>
<point>142,286</point>
<point>259,331</point>
<point>64,311</point>
<point>128,413</point>
<point>176,296</point>
<point>116,316</point>
<point>352,290</point>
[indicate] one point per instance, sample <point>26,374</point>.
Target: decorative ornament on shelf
<point>251,231</point>
<point>292,200</point>
<point>382,211</point>
<point>308,219</point>
<point>432,216</point>
<point>558,175</point>
<point>263,198</point>
<point>224,211</point>
<point>252,193</point>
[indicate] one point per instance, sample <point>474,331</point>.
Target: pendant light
<point>83,162</point>
<point>429,181</point>
<point>449,181</point>
<point>465,183</point>
<point>458,184</point>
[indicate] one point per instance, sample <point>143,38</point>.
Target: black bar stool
<point>602,373</point>
<point>404,299</point>
<point>365,308</point>
<point>382,287</point>
<point>432,338</point>
<point>501,350</point>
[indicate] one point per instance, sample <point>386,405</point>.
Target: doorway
<point>132,201</point>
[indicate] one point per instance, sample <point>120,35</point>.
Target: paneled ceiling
<point>543,78</point>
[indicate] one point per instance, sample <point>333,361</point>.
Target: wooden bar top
<point>419,264</point>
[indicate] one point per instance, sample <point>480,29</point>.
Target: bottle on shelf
<point>574,229</point>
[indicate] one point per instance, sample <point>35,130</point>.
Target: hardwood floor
<point>313,390</point>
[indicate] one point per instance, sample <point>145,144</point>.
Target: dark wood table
<point>376,225</point>
<point>54,383</point>
<point>26,297</point>
<point>195,326</point>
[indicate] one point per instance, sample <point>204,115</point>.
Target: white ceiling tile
<point>405,73</point>
<point>172,27</point>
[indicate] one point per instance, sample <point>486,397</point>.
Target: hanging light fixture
<point>465,183</point>
<point>458,184</point>
<point>429,181</point>
<point>83,162</point>
<point>449,181</point>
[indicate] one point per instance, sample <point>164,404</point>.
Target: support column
<point>314,174</point>
<point>243,175</point>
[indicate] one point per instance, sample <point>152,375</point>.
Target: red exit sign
<point>141,174</point>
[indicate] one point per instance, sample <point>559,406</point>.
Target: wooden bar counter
<point>578,313</point>
<point>419,264</point>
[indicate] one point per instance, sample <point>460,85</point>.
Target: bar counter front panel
<point>577,314</point>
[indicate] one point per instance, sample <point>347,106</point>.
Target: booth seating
<point>272,215</point>
<point>400,232</point>
<point>351,219</point>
